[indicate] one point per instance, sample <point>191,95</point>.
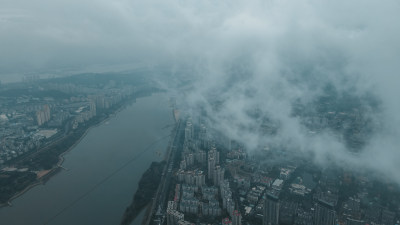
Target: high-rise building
<point>236,218</point>
<point>192,177</point>
<point>189,130</point>
<point>46,110</point>
<point>211,167</point>
<point>215,153</point>
<point>189,159</point>
<point>218,175</point>
<point>42,116</point>
<point>271,208</point>
<point>324,213</point>
<point>200,178</point>
<point>213,160</point>
<point>203,136</point>
<point>173,217</point>
<point>172,205</point>
<point>200,156</point>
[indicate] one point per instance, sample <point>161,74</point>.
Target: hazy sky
<point>252,54</point>
<point>51,34</point>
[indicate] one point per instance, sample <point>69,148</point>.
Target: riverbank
<point>41,181</point>
<point>61,157</point>
<point>147,213</point>
<point>59,148</point>
<point>103,170</point>
<point>148,186</point>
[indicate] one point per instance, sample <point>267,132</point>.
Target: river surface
<point>82,194</point>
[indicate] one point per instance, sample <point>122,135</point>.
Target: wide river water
<point>81,195</point>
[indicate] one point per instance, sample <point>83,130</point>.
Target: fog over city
<point>250,57</point>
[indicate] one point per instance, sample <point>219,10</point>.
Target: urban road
<point>160,199</point>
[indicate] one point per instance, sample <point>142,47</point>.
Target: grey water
<point>74,196</point>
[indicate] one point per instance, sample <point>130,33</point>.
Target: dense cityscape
<point>207,178</point>
<point>199,112</point>
<point>215,181</point>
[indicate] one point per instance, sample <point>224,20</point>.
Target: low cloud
<point>246,61</point>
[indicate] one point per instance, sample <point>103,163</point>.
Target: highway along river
<point>89,191</point>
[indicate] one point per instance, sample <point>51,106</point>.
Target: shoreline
<point>147,188</point>
<point>61,156</point>
<point>167,157</point>
<point>147,213</point>
<point>58,167</point>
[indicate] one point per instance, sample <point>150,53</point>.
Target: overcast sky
<point>252,54</point>
<point>52,34</point>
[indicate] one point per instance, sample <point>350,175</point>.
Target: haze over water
<point>102,151</point>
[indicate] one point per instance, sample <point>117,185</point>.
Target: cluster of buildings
<point>348,119</point>
<point>42,116</point>
<point>201,190</point>
<point>48,111</point>
<point>220,184</point>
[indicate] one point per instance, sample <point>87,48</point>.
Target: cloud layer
<point>252,57</point>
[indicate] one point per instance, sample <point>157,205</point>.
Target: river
<point>74,196</point>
